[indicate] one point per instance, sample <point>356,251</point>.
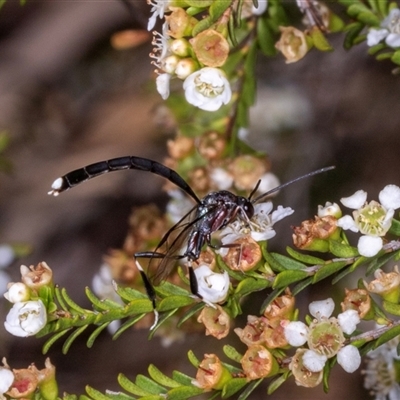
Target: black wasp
<point>210,214</point>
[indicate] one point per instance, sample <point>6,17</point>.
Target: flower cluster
<point>28,314</point>
<point>372,220</point>
<point>325,339</point>
<point>389,31</point>
<point>28,382</point>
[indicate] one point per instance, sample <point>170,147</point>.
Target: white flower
<point>296,333</point>
<point>207,89</point>
<point>158,8</point>
<point>322,308</point>
<point>349,358</point>
<point>329,209</point>
<point>313,361</point>
<point>6,380</point>
<point>348,321</point>
<point>26,318</point>
<point>17,292</point>
<point>261,224</point>
<point>268,181</point>
<point>390,31</point>
<point>212,287</point>
<point>372,219</point>
<point>221,178</point>
<point>162,83</point>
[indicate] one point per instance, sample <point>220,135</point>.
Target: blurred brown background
<point>67,99</point>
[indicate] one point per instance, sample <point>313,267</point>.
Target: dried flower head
<point>258,362</point>
<point>36,276</point>
<point>359,300</point>
<point>292,44</point>
<point>244,255</point>
<point>211,374</point>
<point>216,321</point>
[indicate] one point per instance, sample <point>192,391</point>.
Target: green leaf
<point>217,8</point>
<point>53,339</point>
<point>96,333</point>
<point>395,227</point>
<point>285,278</point>
<point>72,337</point>
<point>71,303</point>
<point>319,40</point>
<point>131,387</point>
<point>247,392</point>
<point>288,263</point>
<point>139,306</point>
<point>357,8</point>
<point>167,289</point>
<point>129,294</point>
<point>392,308</point>
<point>379,262</point>
<point>342,250</point>
<point>266,37</point>
<point>181,378</point>
<point>232,387</point>
<point>360,261</point>
<point>250,285</point>
<point>149,385</point>
<point>368,18</point>
<point>184,392</point>
<point>173,302</point>
<point>272,262</point>
<point>232,353</point>
<point>302,285</point>
<point>202,25</point>
<point>160,378</point>
<point>199,3</point>
<point>96,302</point>
<point>193,359</point>
<point>118,396</point>
<point>388,335</point>
<point>304,258</point>
<point>328,269</point>
<point>189,314</point>
<point>276,383</point>
<point>126,325</point>
<point>95,394</point>
<point>396,59</point>
<point>353,31</point>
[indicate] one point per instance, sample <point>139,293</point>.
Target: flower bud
<point>211,48</point>
<point>258,362</point>
<point>386,285</point>
<point>36,277</point>
<point>180,47</point>
<point>185,67</point>
<point>212,287</point>
<point>331,209</point>
<point>211,373</point>
<point>244,256</point>
<point>216,320</point>
<point>302,375</point>
<point>169,64</point>
<point>180,23</point>
<point>17,292</point>
<point>292,44</point>
<point>359,300</point>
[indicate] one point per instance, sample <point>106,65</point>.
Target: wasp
<point>210,214</point>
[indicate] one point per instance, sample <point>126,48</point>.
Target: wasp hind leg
<point>151,294</point>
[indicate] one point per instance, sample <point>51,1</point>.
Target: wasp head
<point>246,206</point>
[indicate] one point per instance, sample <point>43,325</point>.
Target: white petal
<point>296,333</point>
<point>369,246</point>
<point>349,358</point>
<point>375,36</point>
<point>6,380</point>
<point>356,200</point>
<point>394,14</point>
<point>347,223</point>
<point>393,40</point>
<point>162,83</point>
<point>348,321</point>
<point>313,361</point>
<point>17,292</point>
<point>212,287</point>
<point>322,308</point>
<point>329,209</point>
<point>389,197</point>
<point>280,213</point>
<point>268,181</point>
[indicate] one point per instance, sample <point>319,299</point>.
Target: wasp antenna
<point>318,171</point>
<point>254,190</point>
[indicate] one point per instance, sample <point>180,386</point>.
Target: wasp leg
<point>194,286</point>
<point>151,294</point>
